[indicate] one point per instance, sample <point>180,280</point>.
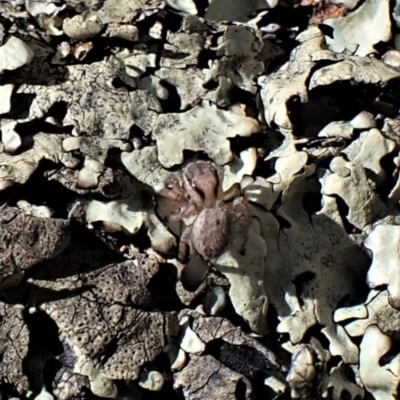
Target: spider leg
<point>184,243</point>
<point>241,210</point>
<point>173,190</point>
<point>231,193</point>
<point>240,219</point>
<point>191,209</point>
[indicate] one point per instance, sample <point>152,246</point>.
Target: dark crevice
<point>238,95</point>
<point>44,343</point>
<point>173,102</point>
<point>264,169</point>
<point>201,6</point>
<point>9,391</point>
<point>51,368</point>
<point>20,105</point>
<point>334,361</point>
<point>300,282</point>
<point>141,239</point>
<point>243,359</point>
<point>389,166</point>
<point>118,83</point>
<point>283,223</point>
<point>241,390</point>
<point>240,143</point>
<point>205,56</point>
<point>136,132</point>
<point>314,332</point>
<point>163,288</point>
<point>343,209</point>
<point>58,110</point>
<point>211,85</point>
<point>312,202</point>
<point>40,191</point>
<point>327,30</point>
<point>288,17</point>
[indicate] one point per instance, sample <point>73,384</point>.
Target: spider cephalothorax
<point>217,213</point>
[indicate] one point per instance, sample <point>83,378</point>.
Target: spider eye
<point>190,180</point>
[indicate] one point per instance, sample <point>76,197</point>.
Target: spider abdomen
<point>210,232</point>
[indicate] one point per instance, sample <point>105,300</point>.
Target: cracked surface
<point>108,319</point>
<point>27,240</point>
<point>14,341</point>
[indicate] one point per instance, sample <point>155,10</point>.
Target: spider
<point>217,219</point>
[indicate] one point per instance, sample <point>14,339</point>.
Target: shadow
<point>242,359</point>
<point>309,257</point>
<point>86,253</point>
<point>40,191</point>
<point>340,101</point>
<point>39,72</point>
<point>173,103</point>
<point>20,104</point>
<point>163,288</point>
<point>314,256</point>
<point>44,343</point>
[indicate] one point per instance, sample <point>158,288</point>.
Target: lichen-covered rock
<point>110,312</point>
<point>382,241</point>
<point>95,105</point>
<point>108,104</point>
<point>14,53</point>
<point>213,128</point>
<point>19,168</point>
<point>27,240</point>
<point>364,204</point>
<point>246,275</point>
<point>369,17</point>
<point>234,354</point>
<point>130,214</point>
<point>382,380</point>
<point>205,377</point>
<point>14,345</point>
<point>378,311</point>
<point>66,383</point>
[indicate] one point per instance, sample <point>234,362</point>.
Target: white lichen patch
<point>380,380</point>
<point>143,164</point>
<point>188,82</point>
<point>248,171</point>
<point>95,151</point>
<point>378,312</point>
<point>18,168</point>
<point>275,90</point>
<point>349,181</point>
<point>203,128</point>
<point>235,171</point>
<point>131,214</point>
<point>354,69</point>
<point>366,26</point>
<point>302,246</point>
<point>383,242</point>
<point>14,53</point>
<point>5,96</point>
<point>243,271</point>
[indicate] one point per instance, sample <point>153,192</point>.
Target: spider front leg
<point>173,190</point>
<point>184,243</point>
